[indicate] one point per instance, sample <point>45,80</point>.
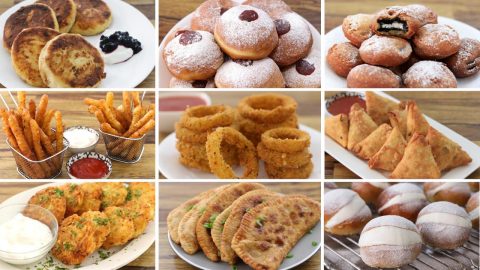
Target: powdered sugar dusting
<point>296,39</point>
<point>390,220</point>
<point>243,33</point>
<point>429,35</point>
<point>177,83</point>
<point>293,79</point>
<point>380,44</point>
<point>429,74</point>
<point>337,198</point>
<point>238,75</point>
<point>403,188</point>
<point>444,207</point>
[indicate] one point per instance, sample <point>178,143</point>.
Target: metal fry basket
<point>122,149</point>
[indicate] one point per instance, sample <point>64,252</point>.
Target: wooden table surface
<point>462,10</point>
<point>171,12</point>
<point>75,113</point>
<point>173,194</point>
<point>308,106</point>
<point>144,262</point>
<point>147,7</point>
<point>456,110</point>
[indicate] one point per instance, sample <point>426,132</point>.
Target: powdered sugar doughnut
<point>389,242</point>
<point>385,51</point>
<point>206,15</point>
<point>328,186</point>
<point>356,28</point>
<point>193,55</point>
<point>422,13</point>
<point>272,7</point>
<point>294,39</point>
<point>436,41</point>
<point>249,74</point>
<point>345,212</point>
<point>305,73</point>
<point>402,199</point>
<point>454,192</point>
<point>245,32</point>
<point>466,62</point>
<point>473,210</point>
<point>369,191</point>
<point>368,76</point>
<point>444,225</point>
<point>177,83</point>
<point>429,74</point>
<point>474,186</point>
<point>342,57</point>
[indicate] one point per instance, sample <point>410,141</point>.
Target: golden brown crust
<point>399,14</point>
<point>368,192</point>
<point>65,12</point>
<point>36,15</point>
<point>471,205</point>
<point>218,226</point>
<point>343,57</point>
<point>456,194</point>
<point>270,230</point>
<point>356,28</point>
<point>206,15</point>
<point>348,227</point>
<point>93,17</point>
<point>368,76</point>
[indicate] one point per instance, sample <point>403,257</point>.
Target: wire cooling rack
<point>343,253</point>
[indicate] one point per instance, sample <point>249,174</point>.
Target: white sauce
<point>80,138</point>
<point>22,234</point>
<point>355,206</point>
<point>403,198</point>
<point>393,25</point>
<point>444,218</point>
<point>121,54</point>
<point>389,235</point>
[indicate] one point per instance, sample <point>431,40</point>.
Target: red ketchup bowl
<point>341,102</point>
<point>171,106</point>
<point>89,165</point>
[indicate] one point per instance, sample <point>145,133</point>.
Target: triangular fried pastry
<point>378,107</point>
<point>337,128</point>
<point>416,123</point>
<point>417,161</point>
<point>461,159</point>
<point>239,208</point>
<point>443,149</point>
<point>217,205</point>
<point>390,154</point>
<point>270,230</point>
<point>398,119</point>
<point>188,225</point>
<point>361,125</point>
<point>371,144</point>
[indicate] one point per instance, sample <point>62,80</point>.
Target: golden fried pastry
<point>446,152</point>
<point>93,17</point>
<point>369,191</point>
<point>218,226</point>
<point>403,199</point>
<point>368,76</point>
<point>92,197</point>
<point>416,122</point>
<point>429,74</point>
<point>140,212</point>
<point>113,194</point>
<point>52,199</point>
<point>270,230</point>
<point>391,152</point>
<point>337,128</point>
<point>122,228</point>
<point>342,57</point>
<point>372,143</point>
<point>74,196</point>
<point>466,62</point>
<point>272,7</point>
<point>436,41</point>
<point>69,61</point>
<point>249,74</point>
<point>385,51</point>
<point>26,51</point>
<point>454,192</point>
<point>305,73</point>
<point>100,224</point>
<point>361,125</point>
<point>378,107</point>
<point>36,15</point>
<point>473,208</point>
<point>396,21</point>
<point>65,12</point>
<point>206,15</point>
<point>356,28</point>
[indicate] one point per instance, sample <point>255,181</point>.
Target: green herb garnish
<point>289,256</point>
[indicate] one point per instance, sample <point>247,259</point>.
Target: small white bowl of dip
<point>82,139</point>
<point>27,233</point>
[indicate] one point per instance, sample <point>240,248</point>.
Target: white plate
<point>123,75</point>
<point>171,168</point>
<point>332,80</point>
<point>360,166</point>
<point>164,74</point>
<point>119,256</point>
<point>301,252</point>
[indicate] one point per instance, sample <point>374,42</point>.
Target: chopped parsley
<point>59,192</point>
<point>67,246</point>
<point>289,256</point>
<point>103,254</point>
<point>73,187</point>
<point>234,267</point>
<point>101,221</point>
<point>210,222</point>
<point>259,221</point>
<point>190,207</point>
<point>314,243</point>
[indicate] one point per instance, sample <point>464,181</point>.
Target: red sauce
<point>179,103</point>
<point>342,105</point>
<point>89,168</point>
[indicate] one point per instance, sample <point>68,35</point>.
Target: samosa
<point>371,144</point>
<point>337,128</point>
<point>445,151</point>
<point>417,161</point>
<point>416,123</point>
<point>388,157</point>
<point>361,125</point>
<point>378,107</point>
<point>398,119</point>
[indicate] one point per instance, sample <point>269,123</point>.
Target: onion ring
<point>267,108</point>
<point>247,154</point>
<point>288,140</point>
<point>184,134</point>
<point>198,152</point>
<point>289,173</point>
<point>202,118</point>
<point>249,126</point>
<point>195,164</point>
<point>282,159</point>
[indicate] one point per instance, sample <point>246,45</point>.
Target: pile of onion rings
<point>285,153</point>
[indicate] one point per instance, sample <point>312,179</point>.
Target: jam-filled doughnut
<point>272,7</point>
<point>368,76</point>
<point>342,57</point>
<point>249,74</point>
<point>429,74</point>
<point>436,41</point>
<point>177,83</point>
<point>356,28</point>
<point>396,21</point>
<point>206,15</point>
<point>466,62</point>
<point>294,39</point>
<point>247,33</point>
<point>193,55</point>
<point>385,51</point>
<point>305,73</point>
